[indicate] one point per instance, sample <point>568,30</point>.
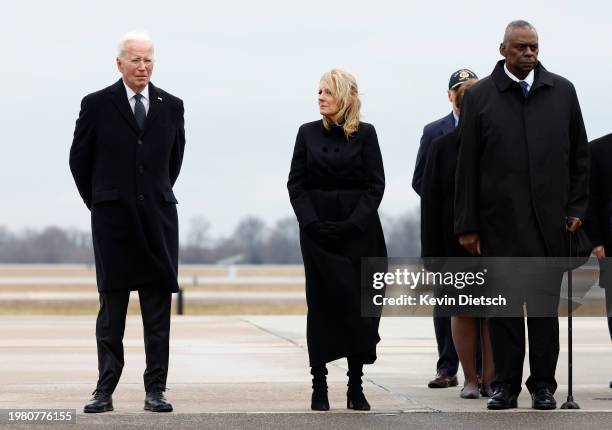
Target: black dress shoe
<point>502,399</point>
<point>99,402</point>
<point>443,380</point>
<point>543,399</point>
<point>156,402</point>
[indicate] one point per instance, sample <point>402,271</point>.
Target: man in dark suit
<point>599,219</point>
<point>125,158</point>
<point>521,184</point>
<point>448,362</point>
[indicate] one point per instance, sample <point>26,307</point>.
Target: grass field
<point>35,281</point>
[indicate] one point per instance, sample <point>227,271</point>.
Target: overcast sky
<point>248,73</point>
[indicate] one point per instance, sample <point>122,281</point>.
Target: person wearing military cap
<point>448,362</point>
<point>440,126</point>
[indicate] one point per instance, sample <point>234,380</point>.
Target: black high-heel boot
<point>355,398</point>
<point>319,400</point>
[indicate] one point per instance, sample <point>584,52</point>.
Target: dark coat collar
<point>119,97</point>
<point>448,122</point>
<point>503,82</point>
<point>333,130</point>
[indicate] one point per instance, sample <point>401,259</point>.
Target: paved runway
<point>251,372</point>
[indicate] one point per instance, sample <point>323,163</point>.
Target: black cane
<point>569,403</point>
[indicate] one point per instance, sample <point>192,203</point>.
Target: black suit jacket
<point>431,131</point>
<point>125,176</point>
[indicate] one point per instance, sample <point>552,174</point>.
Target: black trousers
<point>448,361</point>
<point>541,297</point>
<point>155,308</point>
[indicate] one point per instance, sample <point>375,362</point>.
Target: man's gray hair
<point>132,36</point>
<point>519,23</point>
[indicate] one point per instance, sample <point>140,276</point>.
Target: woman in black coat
<point>335,186</point>
<point>599,215</point>
<point>438,240</point>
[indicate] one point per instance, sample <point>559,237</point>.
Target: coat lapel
<point>155,104</point>
<point>119,97</point>
<point>449,124</point>
<point>499,77</point>
<point>542,77</point>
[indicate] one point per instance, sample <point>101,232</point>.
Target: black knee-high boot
<point>319,400</point>
<point>355,398</point>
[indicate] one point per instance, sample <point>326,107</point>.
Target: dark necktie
<point>525,87</point>
<point>139,111</point>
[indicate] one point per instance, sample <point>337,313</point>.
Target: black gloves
<point>319,231</point>
<point>325,232</point>
<point>343,229</point>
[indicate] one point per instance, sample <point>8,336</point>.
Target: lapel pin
<point>159,98</point>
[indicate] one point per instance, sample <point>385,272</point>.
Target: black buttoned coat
<point>438,198</point>
<point>523,164</point>
<point>125,177</point>
<point>599,219</point>
<point>332,179</point>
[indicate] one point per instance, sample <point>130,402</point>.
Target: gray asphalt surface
<point>557,420</point>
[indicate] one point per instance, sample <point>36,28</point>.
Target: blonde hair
<point>344,88</point>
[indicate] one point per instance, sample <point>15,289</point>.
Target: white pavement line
<point>270,332</point>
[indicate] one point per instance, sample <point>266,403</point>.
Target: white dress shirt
<point>144,99</point>
<point>456,118</point>
<point>529,78</point>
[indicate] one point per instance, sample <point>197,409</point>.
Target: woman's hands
<point>325,232</point>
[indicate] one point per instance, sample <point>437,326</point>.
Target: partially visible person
<point>336,184</point>
<point>438,240</point>
<point>448,362</point>
<point>599,219</point>
<point>439,127</point>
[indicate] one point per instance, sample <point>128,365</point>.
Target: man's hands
<point>599,252</point>
<point>471,242</point>
<point>573,224</point>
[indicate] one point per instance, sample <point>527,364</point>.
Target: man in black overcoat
<point>521,184</point>
<point>599,219</point>
<point>125,158</point>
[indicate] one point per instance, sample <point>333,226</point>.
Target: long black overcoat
<point>438,199</point>
<point>599,219</point>
<point>523,164</point>
<point>125,177</point>
<point>332,179</point>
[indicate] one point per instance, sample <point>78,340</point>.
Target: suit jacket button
<point>141,168</point>
<point>140,197</point>
<point>139,141</point>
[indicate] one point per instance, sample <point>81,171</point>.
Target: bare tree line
<point>252,242</point>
